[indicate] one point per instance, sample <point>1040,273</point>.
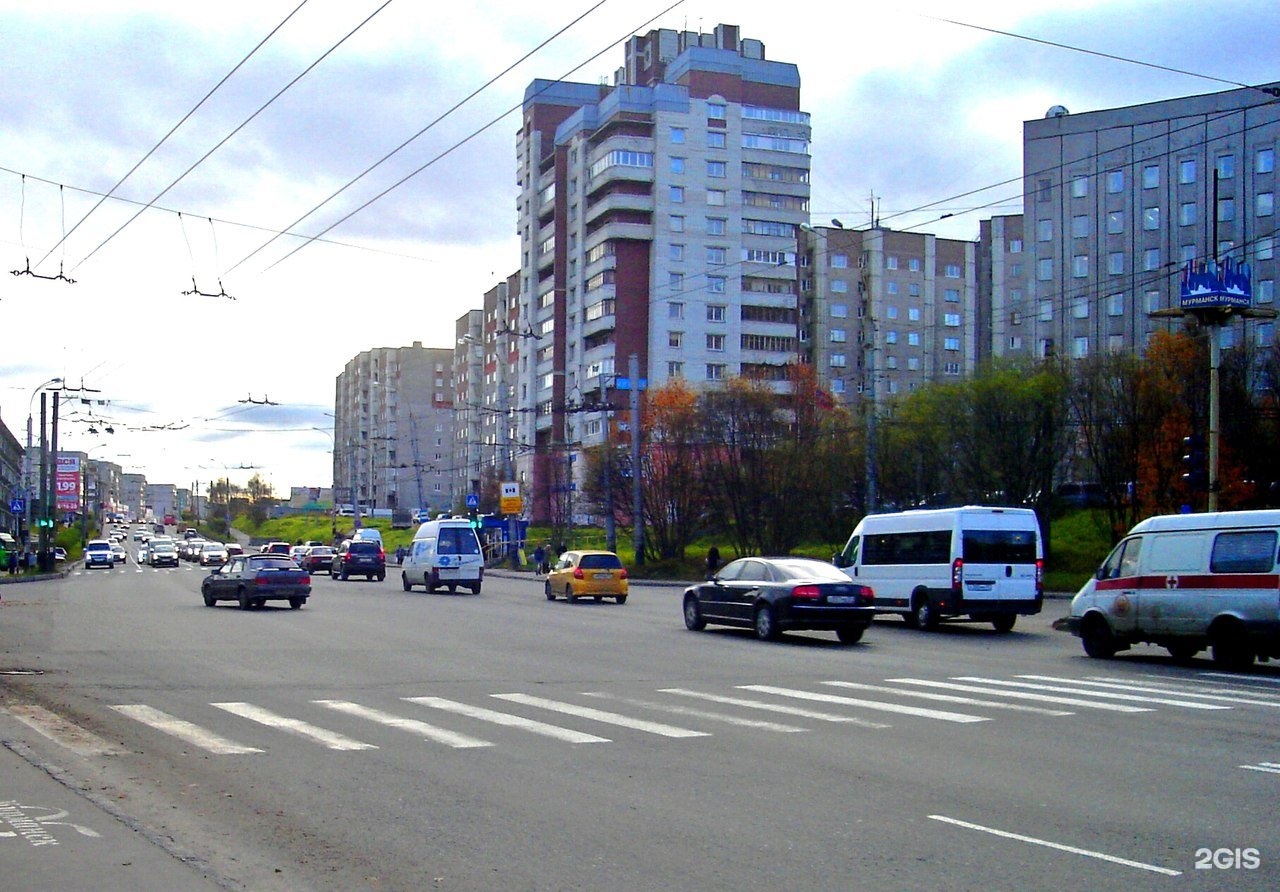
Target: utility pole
<point>637,496</point>
<point>42,541</point>
<point>610,522</point>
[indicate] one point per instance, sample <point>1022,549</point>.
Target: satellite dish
<point>1057,111</point>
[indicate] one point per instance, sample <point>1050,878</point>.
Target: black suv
<point>356,558</point>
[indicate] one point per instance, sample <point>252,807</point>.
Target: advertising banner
<point>67,481</point>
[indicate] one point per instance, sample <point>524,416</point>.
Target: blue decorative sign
<point>1208,286</point>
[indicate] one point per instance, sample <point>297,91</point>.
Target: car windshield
<point>159,547</point>
<point>98,546</point>
<point>457,540</point>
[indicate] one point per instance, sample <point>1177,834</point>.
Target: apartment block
<point>393,429</point>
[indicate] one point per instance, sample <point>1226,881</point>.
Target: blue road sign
<point>473,501</point>
<point>17,506</point>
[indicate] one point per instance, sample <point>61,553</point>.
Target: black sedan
<point>774,595</point>
<point>255,579</point>
<point>318,559</point>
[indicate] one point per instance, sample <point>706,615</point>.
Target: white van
<point>983,564</point>
<point>1186,582</point>
<point>444,553</point>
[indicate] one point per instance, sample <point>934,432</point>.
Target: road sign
<point>473,501</point>
<point>17,506</point>
<point>511,502</point>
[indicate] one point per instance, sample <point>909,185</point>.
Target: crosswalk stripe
<point>948,698</point>
<point>1193,685</point>
<point>426,731</point>
<point>599,715</point>
<point>1242,679</point>
<point>1265,766</point>
<point>1020,695</point>
<point>61,730</point>
<point>1062,689</point>
<point>508,720</point>
<point>1207,694</point>
<point>326,738</point>
<point>779,708</point>
<point>755,724</point>
<point>184,730</point>
<point>898,708</point>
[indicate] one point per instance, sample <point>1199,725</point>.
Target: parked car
<point>97,553</point>
<point>255,579</point>
<point>587,574</point>
<point>774,595</point>
<point>359,558</point>
<point>213,554</point>
<point>162,553</point>
<point>318,559</point>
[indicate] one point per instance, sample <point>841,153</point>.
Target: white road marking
<point>755,724</point>
<point>1244,679</point>
<point>329,739</point>
<point>1165,681</point>
<point>948,698</point>
<point>508,720</point>
<point>430,732</point>
<point>1203,694</point>
<point>184,730</point>
<point>599,715</point>
<point>898,708</point>
<point>61,731</point>
<point>1060,689</point>
<point>1269,767</point>
<point>1101,856</point>
<point>1020,695</point>
<point>775,707</point>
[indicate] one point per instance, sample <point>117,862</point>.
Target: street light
<point>28,484</point>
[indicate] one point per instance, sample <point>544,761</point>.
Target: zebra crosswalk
<point>678,713</point>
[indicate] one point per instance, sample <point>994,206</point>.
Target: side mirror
<point>840,560</point>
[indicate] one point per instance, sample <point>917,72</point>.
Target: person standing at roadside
<point>713,561</point>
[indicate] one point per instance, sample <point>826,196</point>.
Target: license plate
<point>604,576</point>
<point>842,599</point>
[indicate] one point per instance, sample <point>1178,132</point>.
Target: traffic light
<point>1195,468</point>
<point>46,522</point>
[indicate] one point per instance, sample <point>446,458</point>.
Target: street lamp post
<point>28,477</point>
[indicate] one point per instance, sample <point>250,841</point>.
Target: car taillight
<point>382,555</point>
<point>623,573</point>
<point>306,579</point>
<point>578,574</point>
<point>957,574</point>
<point>806,591</point>
<point>1039,576</point>
<point>262,580</point>
<point>868,594</point>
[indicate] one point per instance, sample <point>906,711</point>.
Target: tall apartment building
<point>1116,202</point>
<point>393,429</point>
<point>885,312</point>
<point>133,489</point>
<point>658,218</point>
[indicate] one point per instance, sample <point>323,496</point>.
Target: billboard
<point>1207,286</point>
<point>67,483</point>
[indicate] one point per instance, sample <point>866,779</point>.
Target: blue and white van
<point>444,553</point>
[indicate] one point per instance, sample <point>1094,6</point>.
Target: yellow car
<point>588,574</point>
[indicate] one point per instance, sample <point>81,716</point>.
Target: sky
<point>233,380</point>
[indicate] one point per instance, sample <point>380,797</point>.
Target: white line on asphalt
<point>1200,694</point>
<point>898,708</point>
<point>508,720</point>
<point>61,731</point>
<point>1101,856</point>
<point>429,732</point>
<point>948,698</point>
<point>775,707</point>
<point>1268,767</point>
<point>756,724</point>
<point>330,739</point>
<point>1106,695</point>
<point>1263,693</point>
<point>599,715</point>
<point>184,730</point>
<point>1020,695</point>
<point>1242,679</point>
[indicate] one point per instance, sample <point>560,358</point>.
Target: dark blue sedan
<point>255,579</point>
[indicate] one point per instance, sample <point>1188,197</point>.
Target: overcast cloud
<point>908,108</point>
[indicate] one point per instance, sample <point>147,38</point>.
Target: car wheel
<point>246,603</point>
<point>382,575</point>
<point>1004,622</point>
<point>599,598</point>
<point>622,599</point>
<point>1183,653</point>
<point>925,616</point>
<point>693,620</point>
<point>1231,648</point>
<point>546,589</point>
<point>209,600</point>
<point>850,634</point>
<point>1097,639</point>
<point>295,603</point>
<point>475,589</point>
<point>453,589</point>
<point>568,594</point>
<point>404,581</point>
<point>259,603</point>
<point>766,623</point>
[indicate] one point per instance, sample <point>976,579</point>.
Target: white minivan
<point>978,563</point>
<point>1186,582</point>
<point>444,553</point>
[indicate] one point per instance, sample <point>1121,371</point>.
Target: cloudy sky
<point>905,106</point>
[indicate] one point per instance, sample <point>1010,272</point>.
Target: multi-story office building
<point>162,500</point>
<point>1117,202</point>
<point>884,312</point>
<point>393,429</point>
<point>11,482</point>
<point>658,219</point>
<point>133,489</point>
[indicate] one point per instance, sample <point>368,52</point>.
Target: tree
<point>673,495</point>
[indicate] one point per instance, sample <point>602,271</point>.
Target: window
<point>1044,269</point>
<point>1151,259</point>
<point>951,320</point>
<point>1115,305</point>
<point>837,360</point>
<point>1015,342</point>
<point>951,344</point>
<point>677,165</point>
<point>891,287</point>
<point>1187,171</point>
<point>1115,181</point>
<point>675,339</point>
<point>1115,222</point>
<point>1150,176</point>
<point>716,284</point>
<point>891,312</point>
<point>1226,167</point>
<point>715,342</point>
<point>1188,253</point>
<point>1080,308</point>
<point>1080,187</point>
<point>891,262</point>
<point>675,369</point>
<point>1080,226</point>
<point>1080,348</point>
<point>715,371</point>
<point>715,139</point>
<point>1044,230</point>
<point>1152,301</point>
<point>675,252</point>
<point>913,314</point>
<point>891,337</point>
<point>839,336</point>
<point>913,289</point>
<point>716,197</point>
<point>951,271</point>
<point>1151,218</point>
<point>913,363</point>
<point>715,169</point>
<point>676,194</point>
<point>1015,247</point>
<point>1080,266</point>
<point>1226,210</point>
<point>676,222</point>
<point>840,261</point>
<point>715,110</point>
<point>675,309</point>
<point>913,264</point>
<point>716,255</point>
<point>675,281</point>
<point>1046,311</point>
<point>892,362</point>
<point>1265,204</point>
<point>1264,291</point>
<point>1245,552</point>
<point>839,286</point>
<point>716,225</point>
<point>1266,161</point>
<point>1187,213</point>
<point>1265,248</point>
<point>715,312</point>
<point>913,338</point>
<point>1044,190</point>
<point>1115,263</point>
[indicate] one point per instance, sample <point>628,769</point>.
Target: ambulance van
<point>984,564</point>
<point>1186,582</point>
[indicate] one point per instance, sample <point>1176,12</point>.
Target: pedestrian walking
<point>539,559</point>
<point>713,561</point>
<point>13,561</point>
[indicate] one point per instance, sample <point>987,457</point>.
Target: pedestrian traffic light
<point>1195,472</point>
<point>45,522</point>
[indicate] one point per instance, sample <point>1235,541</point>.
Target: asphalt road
<point>377,739</point>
